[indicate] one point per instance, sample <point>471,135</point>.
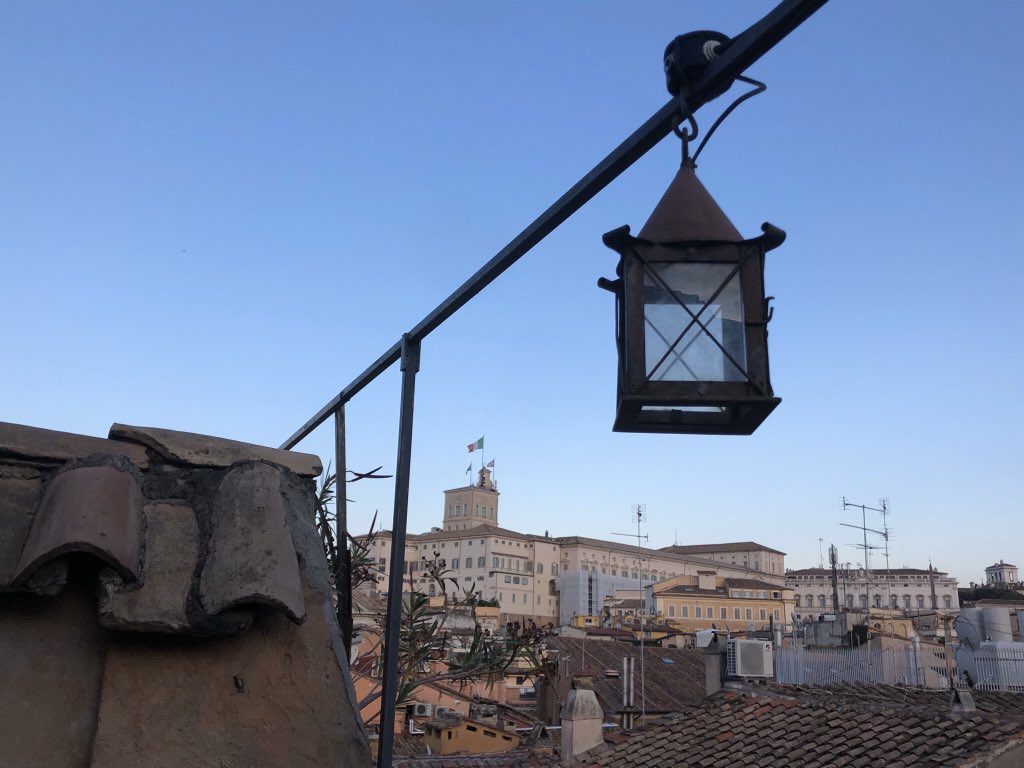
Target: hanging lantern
<point>691,318</point>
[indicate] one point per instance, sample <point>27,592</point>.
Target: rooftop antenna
<point>821,560</point>
<point>883,508</point>
<point>639,513</point>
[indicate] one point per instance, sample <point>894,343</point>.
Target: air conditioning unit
<point>749,658</point>
<point>422,710</point>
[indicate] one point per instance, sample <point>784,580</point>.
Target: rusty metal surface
<point>688,212</point>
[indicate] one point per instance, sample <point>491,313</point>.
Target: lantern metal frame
<point>646,404</point>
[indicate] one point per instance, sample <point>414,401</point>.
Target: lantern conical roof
<point>688,212</point>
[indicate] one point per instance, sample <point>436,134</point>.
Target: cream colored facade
<point>745,554</point>
<point>579,553</point>
<point>906,589</point>
<point>1002,573</point>
<point>708,600</point>
<point>527,573</point>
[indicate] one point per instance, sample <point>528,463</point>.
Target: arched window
<point>945,601</point>
<point>540,569</point>
<point>810,601</point>
<point>821,601</point>
<point>798,601</point>
<point>920,601</point>
<point>906,602</point>
<point>893,601</point>
<point>878,601</point>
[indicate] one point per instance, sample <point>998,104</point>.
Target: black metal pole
<point>389,694</point>
<point>343,575</point>
<point>743,50</point>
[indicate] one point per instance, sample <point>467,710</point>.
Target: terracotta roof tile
<point>93,507</point>
<point>217,542</point>
<point>744,730</point>
<point>250,557</point>
<point>674,676</point>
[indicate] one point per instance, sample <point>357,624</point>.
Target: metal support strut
<point>410,366</point>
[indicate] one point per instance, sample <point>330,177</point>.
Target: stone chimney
<point>581,718</point>
<point>714,667</point>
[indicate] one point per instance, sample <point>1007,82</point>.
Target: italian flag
<point>477,446</point>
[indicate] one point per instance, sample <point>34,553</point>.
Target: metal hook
<point>685,136</point>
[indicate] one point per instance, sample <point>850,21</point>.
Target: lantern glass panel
<point>693,322</point>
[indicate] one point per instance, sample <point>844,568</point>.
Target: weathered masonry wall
<point>164,600</point>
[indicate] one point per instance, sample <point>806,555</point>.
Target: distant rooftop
<point>875,571</point>
<point>768,729</point>
<point>730,546</point>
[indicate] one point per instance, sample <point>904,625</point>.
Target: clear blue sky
<point>215,215</point>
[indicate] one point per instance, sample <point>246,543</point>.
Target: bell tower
<point>472,505</point>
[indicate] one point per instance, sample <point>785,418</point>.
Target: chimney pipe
<point>581,718</point>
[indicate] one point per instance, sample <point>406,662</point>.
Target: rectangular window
<point>671,611</point>
<point>494,562</point>
<point>725,613</point>
<point>750,614</point>
<point>508,579</point>
<point>686,611</point>
<point>480,562</point>
<point>697,612</point>
<point>525,581</point>
<point>775,614</point>
<point>554,569</point>
<point>455,564</point>
<point>736,613</point>
<point>763,615</point>
<point>515,579</point>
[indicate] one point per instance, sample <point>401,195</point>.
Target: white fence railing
<point>905,664</point>
<point>993,667</point>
